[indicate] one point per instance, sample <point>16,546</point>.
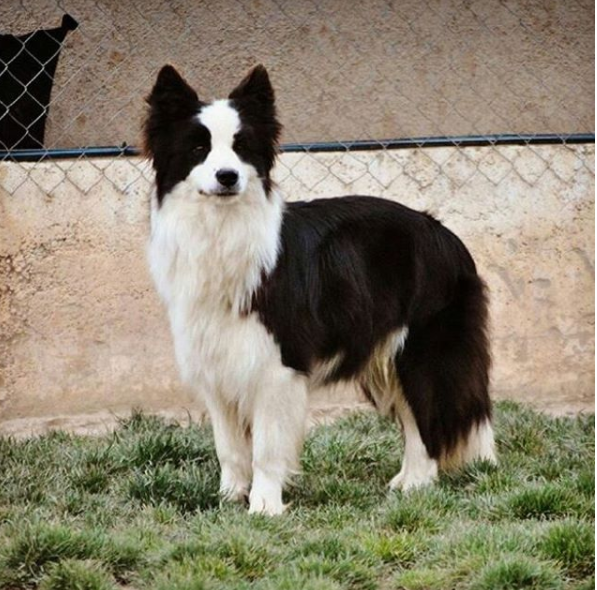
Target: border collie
<point>268,299</point>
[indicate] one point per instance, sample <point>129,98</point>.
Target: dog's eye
<point>198,149</point>
<point>240,143</point>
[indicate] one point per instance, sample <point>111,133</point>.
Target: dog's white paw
<point>233,488</point>
<point>266,500</point>
<point>410,479</point>
<point>235,494</point>
<point>267,507</point>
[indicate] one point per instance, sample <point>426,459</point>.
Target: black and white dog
<point>268,299</point>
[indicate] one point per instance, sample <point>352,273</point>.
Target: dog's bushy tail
<point>444,373</point>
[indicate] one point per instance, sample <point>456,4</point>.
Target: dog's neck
<point>217,251</point>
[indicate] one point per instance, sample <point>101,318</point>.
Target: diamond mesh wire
<point>376,70</point>
<point>480,111</point>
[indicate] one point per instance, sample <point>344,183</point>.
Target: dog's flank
<point>267,300</point>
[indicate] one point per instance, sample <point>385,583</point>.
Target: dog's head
<point>221,149</point>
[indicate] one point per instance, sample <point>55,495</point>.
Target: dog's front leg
<point>279,415</point>
<point>233,447</point>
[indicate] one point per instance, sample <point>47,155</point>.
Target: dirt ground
<point>99,423</point>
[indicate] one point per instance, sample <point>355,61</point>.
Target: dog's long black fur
<point>353,270</point>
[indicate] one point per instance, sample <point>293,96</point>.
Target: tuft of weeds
<point>541,501</point>
<point>187,489</point>
<point>420,509</point>
<point>34,551</point>
<point>517,573</point>
<point>571,544</point>
<point>72,574</point>
<point>139,508</point>
<point>400,550</point>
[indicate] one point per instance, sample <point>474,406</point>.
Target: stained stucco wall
<point>342,69</point>
<point>81,329</point>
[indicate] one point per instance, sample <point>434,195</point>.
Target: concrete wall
<point>81,329</point>
<point>400,68</point>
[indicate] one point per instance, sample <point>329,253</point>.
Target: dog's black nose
<point>227,177</point>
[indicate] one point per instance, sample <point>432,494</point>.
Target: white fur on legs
<point>480,444</point>
<point>233,448</point>
<point>483,446</point>
<point>278,429</point>
<point>418,468</point>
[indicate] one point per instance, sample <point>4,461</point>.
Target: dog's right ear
<point>171,96</point>
<point>170,100</point>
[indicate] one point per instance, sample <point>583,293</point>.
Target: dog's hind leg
<point>381,385</point>
<point>418,467</point>
<point>278,426</point>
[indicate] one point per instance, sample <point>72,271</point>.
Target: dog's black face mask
<point>219,147</point>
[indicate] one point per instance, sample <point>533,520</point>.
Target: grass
<point>139,509</point>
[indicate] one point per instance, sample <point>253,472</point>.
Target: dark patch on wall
<point>27,66</point>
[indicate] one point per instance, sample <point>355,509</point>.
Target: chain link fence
<point>357,81</point>
<point>480,111</point>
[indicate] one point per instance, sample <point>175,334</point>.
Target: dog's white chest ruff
<point>207,261</point>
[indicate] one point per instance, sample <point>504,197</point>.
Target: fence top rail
<point>461,141</point>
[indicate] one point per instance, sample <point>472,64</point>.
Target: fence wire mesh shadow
<point>387,98</point>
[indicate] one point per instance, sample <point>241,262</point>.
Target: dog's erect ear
<point>256,87</point>
<point>170,100</point>
<point>254,99</point>
<point>172,96</point>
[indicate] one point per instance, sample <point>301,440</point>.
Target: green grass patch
<point>571,544</point>
<point>516,573</point>
<point>139,509</point>
<point>71,574</point>
<point>34,550</point>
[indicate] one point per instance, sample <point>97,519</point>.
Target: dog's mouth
<point>226,193</point>
<point>223,193</point>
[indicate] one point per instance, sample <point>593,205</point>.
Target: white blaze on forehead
<point>221,120</point>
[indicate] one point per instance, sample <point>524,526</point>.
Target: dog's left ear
<point>254,98</point>
<point>255,87</point>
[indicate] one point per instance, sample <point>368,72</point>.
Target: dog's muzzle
<point>228,181</point>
